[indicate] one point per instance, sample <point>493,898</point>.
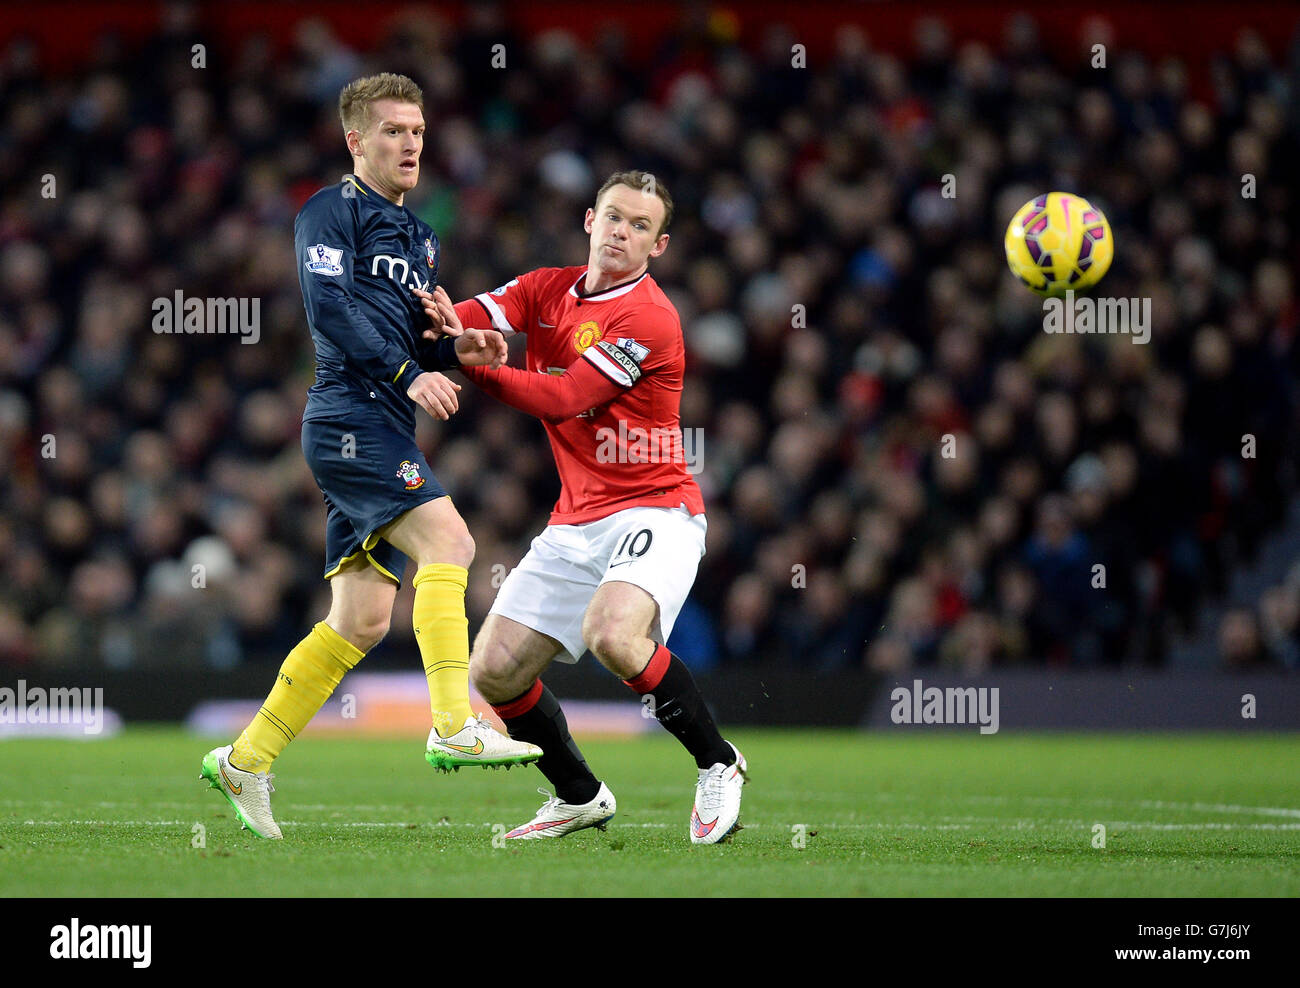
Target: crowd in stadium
<point>843,314</point>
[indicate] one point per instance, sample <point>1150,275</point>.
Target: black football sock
<point>535,716</point>
<point>679,706</point>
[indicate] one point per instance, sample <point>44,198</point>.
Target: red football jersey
<point>624,449</point>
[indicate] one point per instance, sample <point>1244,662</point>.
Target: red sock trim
<point>522,704</point>
<point>652,675</point>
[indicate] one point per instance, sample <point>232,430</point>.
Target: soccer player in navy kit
<point>361,253</point>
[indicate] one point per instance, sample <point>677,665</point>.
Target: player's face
<point>623,231</point>
<point>388,153</point>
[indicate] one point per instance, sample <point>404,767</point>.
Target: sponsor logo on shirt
<point>399,270</point>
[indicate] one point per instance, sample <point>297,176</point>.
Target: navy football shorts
<point>370,473</point>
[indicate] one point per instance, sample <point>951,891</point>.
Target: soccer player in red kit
<point>605,363</point>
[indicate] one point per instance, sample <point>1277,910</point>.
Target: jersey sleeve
<point>439,355</point>
<point>507,308</point>
<point>474,315</point>
<point>638,344</point>
<point>324,237</point>
<point>550,397</point>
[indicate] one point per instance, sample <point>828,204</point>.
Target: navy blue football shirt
<point>359,256</point>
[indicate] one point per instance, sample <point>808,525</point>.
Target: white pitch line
<point>1142,825</point>
<point>989,825</point>
<point>1150,804</point>
<point>1227,808</point>
<point>110,823</point>
<point>408,824</point>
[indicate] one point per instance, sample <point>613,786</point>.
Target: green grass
<point>885,814</point>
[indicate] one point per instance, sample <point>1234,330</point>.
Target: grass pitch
<point>826,813</point>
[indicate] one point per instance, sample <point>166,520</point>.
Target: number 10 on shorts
<point>633,546</point>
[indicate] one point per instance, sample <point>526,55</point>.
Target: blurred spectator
<point>1241,648</point>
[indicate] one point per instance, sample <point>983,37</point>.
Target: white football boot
<point>248,792</point>
<point>477,743</point>
<point>557,818</point>
<point>716,815</point>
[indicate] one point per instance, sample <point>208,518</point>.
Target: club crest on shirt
<point>430,252</point>
<point>586,336</point>
<point>410,473</point>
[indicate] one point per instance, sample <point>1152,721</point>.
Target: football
<point>1059,241</point>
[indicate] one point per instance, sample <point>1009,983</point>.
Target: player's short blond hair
<point>642,182</point>
<point>359,95</point>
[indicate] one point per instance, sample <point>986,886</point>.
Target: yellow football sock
<point>442,632</point>
<point>307,678</point>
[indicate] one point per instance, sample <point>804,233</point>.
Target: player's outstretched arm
<point>458,346</point>
<point>550,397</point>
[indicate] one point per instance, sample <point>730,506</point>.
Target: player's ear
<point>660,246</point>
<point>586,223</point>
<point>354,143</point>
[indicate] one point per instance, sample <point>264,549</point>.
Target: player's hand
<point>441,312</point>
<point>436,394</point>
<point>481,348</point>
<point>430,305</point>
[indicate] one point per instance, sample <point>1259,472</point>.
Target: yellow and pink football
<point>1058,242</point>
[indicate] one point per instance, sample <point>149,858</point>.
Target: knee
<point>462,548</point>
<point>455,547</point>
<point>365,631</point>
<point>611,644</point>
<point>494,672</point>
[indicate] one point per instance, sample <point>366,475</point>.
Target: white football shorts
<point>656,549</point>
